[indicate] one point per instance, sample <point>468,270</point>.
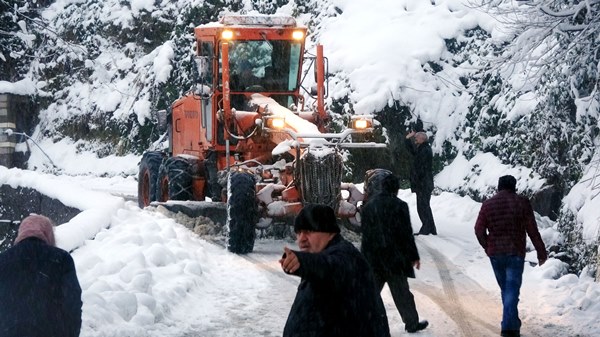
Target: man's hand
<point>417,264</point>
<point>410,135</point>
<point>289,261</point>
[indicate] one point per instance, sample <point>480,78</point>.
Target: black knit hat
<point>507,182</point>
<point>316,218</point>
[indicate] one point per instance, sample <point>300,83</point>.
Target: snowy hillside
<point>100,69</point>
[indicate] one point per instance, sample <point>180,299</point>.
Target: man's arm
<point>72,303</point>
<point>534,233</point>
<point>427,161</point>
<point>481,228</point>
<point>289,261</point>
<point>315,266</point>
<point>409,144</point>
<point>406,232</point>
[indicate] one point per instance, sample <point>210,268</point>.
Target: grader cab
<point>249,134</point>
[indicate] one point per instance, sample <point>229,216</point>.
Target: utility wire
<point>10,132</point>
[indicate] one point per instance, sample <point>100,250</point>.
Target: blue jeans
<point>509,274</point>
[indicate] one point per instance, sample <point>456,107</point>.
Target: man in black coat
<point>389,246</point>
<point>40,295</point>
<point>421,178</point>
<point>337,296</point>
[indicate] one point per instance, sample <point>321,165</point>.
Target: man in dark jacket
<point>501,228</point>
<point>337,296</point>
<point>40,295</point>
<point>421,179</point>
<point>389,246</point>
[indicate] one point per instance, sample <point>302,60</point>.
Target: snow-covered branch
<point>566,27</point>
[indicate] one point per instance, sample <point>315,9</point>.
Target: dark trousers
<point>425,214</point>
<point>403,298</point>
<point>509,274</point>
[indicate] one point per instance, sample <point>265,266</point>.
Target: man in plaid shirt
<point>502,227</point>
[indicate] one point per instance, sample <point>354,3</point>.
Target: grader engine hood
<point>293,120</point>
<point>294,123</point>
<point>297,128</point>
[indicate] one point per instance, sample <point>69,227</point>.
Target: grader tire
<point>148,177</point>
<point>175,180</point>
<point>242,212</point>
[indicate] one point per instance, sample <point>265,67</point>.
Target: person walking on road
<point>389,246</point>
<point>421,178</point>
<point>501,228</point>
<point>39,290</point>
<point>337,296</point>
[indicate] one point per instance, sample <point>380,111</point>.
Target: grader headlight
<point>361,122</point>
<point>275,122</point>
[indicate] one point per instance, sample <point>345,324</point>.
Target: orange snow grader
<point>247,137</point>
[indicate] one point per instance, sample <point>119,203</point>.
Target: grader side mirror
<point>161,120</point>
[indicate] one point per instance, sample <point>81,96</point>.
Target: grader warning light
<point>227,34</point>
<point>298,35</point>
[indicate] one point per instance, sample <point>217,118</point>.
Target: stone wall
<point>17,203</point>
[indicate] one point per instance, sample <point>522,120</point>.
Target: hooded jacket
<point>388,243</point>
<point>39,292</point>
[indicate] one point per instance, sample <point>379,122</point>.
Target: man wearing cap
<point>337,296</point>
<point>502,227</point>
<point>39,292</point>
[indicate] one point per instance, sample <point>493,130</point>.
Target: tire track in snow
<point>451,301</point>
<point>475,310</point>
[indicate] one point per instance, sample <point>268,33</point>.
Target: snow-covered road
<point>143,274</point>
<point>454,303</point>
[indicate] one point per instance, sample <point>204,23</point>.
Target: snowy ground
<point>143,274</point>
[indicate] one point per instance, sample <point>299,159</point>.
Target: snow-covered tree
<point>541,103</point>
